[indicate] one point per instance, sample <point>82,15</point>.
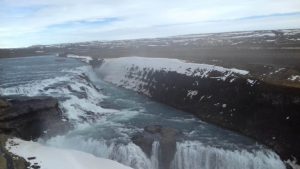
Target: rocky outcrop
<point>95,63</point>
<point>266,112</point>
<point>165,137</point>
<point>269,113</point>
<point>7,159</point>
<point>31,117</point>
<point>27,118</point>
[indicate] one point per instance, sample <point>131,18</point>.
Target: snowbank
<point>86,59</point>
<point>114,70</point>
<point>54,158</point>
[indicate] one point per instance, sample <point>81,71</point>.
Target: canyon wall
<point>227,97</point>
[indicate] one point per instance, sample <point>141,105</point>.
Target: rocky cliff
<point>31,117</point>
<point>28,118</point>
<point>227,97</point>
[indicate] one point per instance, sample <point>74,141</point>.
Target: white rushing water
<point>192,155</point>
<point>106,118</point>
<point>189,155</point>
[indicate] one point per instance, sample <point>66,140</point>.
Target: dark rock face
<point>8,160</point>
<point>267,112</point>
<point>166,137</point>
<point>31,117</point>
<point>96,63</point>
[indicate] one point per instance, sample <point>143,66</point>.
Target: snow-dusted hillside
<point>134,72</point>
<point>54,158</point>
<point>229,39</point>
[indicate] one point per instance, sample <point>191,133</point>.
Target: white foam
<point>32,89</point>
<point>70,87</point>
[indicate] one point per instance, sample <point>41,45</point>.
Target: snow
<point>231,80</point>
<point>252,82</point>
<point>192,93</point>
<point>50,158</point>
<point>127,71</point>
<point>278,70</point>
<point>156,45</point>
<point>66,86</point>
<point>202,97</point>
<point>250,35</point>
<point>116,69</point>
<point>270,40</point>
<point>176,65</point>
<point>86,59</point>
<point>294,77</point>
<point>224,105</point>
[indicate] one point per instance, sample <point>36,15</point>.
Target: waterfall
<point>107,132</point>
<point>130,155</point>
<point>194,155</point>
<point>126,153</point>
<point>189,155</point>
<point>155,155</point>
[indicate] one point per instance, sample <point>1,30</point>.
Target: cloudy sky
<point>31,22</point>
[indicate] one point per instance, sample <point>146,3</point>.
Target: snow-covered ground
<point>54,158</point>
<point>86,59</point>
<point>208,39</point>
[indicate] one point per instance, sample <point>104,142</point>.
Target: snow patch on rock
<point>250,81</point>
<point>192,93</point>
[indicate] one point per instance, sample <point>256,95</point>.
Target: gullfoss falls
<point>108,119</point>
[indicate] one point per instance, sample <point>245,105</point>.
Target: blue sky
<point>30,22</point>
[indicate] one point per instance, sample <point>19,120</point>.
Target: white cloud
<point>31,19</point>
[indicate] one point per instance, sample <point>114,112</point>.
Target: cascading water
<point>193,154</point>
<point>189,155</point>
<point>107,117</point>
<point>155,155</point>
